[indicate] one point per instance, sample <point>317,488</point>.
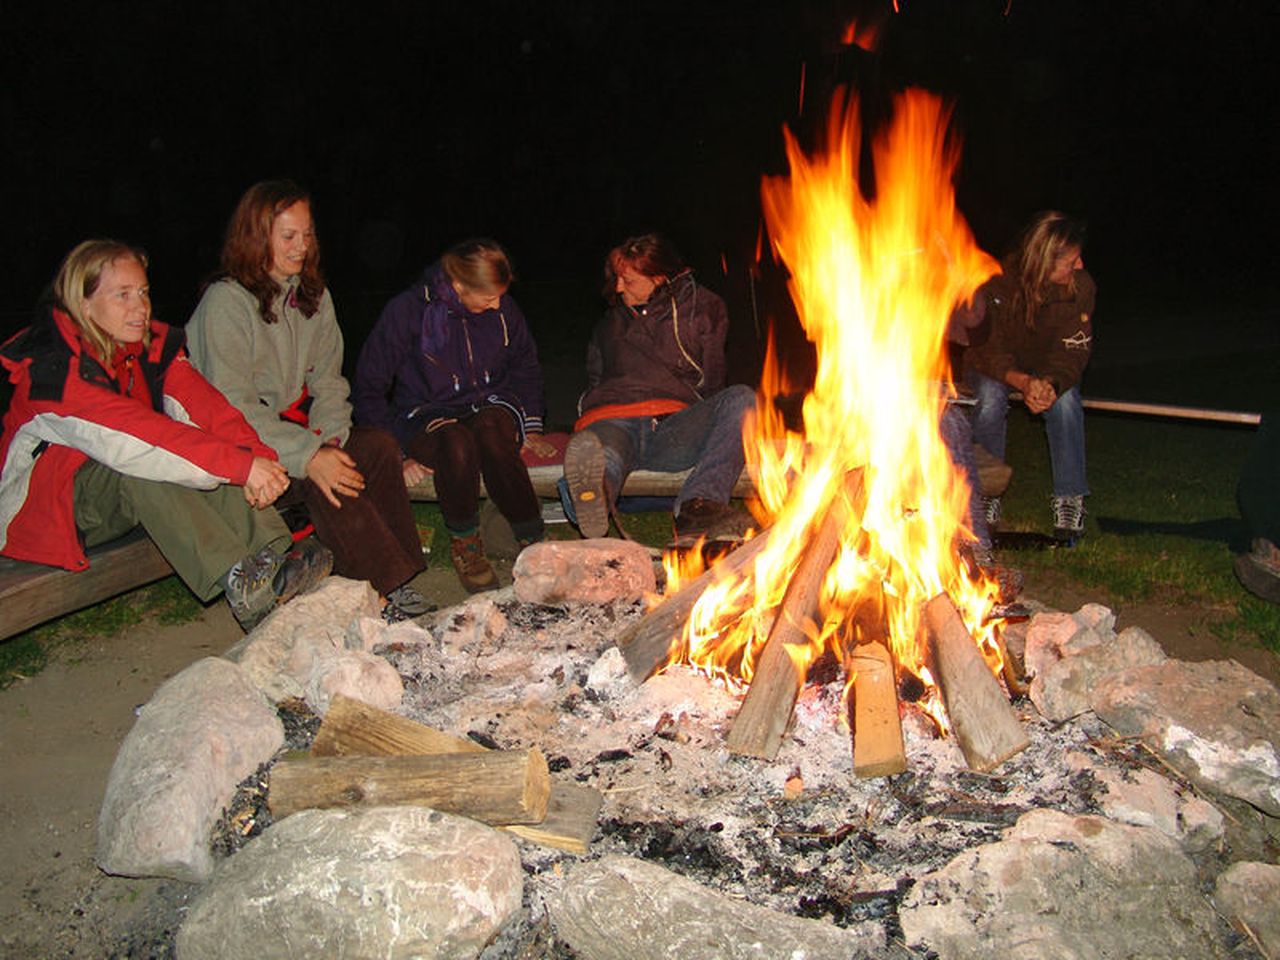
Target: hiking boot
<point>249,589</point>
<point>472,565</point>
<point>405,603</point>
<point>712,520</point>
<point>304,566</point>
<point>1068,518</point>
<point>991,509</point>
<point>1259,570</point>
<point>584,472</point>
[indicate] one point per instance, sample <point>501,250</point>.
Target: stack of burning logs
<point>980,715</point>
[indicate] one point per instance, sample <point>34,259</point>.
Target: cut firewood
<point>646,644</point>
<point>354,728</point>
<point>878,750</point>
<point>982,721</point>
<point>766,711</point>
<point>494,786</point>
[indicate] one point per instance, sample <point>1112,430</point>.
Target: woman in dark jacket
<point>1040,310</point>
<point>452,371</point>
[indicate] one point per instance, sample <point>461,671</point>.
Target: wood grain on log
<point>982,721</point>
<point>493,786</point>
<point>878,750</point>
<point>762,720</point>
<point>354,728</point>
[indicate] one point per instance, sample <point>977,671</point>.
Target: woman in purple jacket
<point>452,371</point>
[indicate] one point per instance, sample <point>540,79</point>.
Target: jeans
<point>706,436</point>
<point>957,436</point>
<point>1063,422</point>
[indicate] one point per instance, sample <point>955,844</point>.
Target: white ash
<point>800,834</point>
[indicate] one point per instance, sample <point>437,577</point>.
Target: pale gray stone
<point>1100,618</point>
<point>1216,722</point>
<point>587,571</point>
<point>620,908</point>
<point>302,650</point>
<point>1060,690</point>
<point>372,633</point>
<point>203,731</point>
<point>1046,634</point>
<point>1249,895</point>
<point>475,626</point>
<point>1144,798</point>
<point>609,671</point>
<point>1062,887</point>
<point>382,882</point>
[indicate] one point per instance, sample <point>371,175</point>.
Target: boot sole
<point>584,472</point>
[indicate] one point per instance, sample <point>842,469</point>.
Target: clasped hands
<point>1039,395</point>
<point>267,480</point>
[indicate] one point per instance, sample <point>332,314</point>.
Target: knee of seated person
<point>379,443</point>
<point>739,397</point>
<point>1068,404</point>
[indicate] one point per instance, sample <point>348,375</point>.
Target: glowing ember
<point>874,282</point>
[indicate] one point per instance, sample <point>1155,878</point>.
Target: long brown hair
<point>1045,240</point>
<point>246,251</point>
<point>78,278</point>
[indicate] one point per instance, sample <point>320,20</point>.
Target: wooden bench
<point>31,593</point>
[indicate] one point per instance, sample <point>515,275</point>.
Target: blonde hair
<point>1044,242</point>
<point>480,265</point>
<point>77,280</point>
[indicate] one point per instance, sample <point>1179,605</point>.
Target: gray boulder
<point>204,731</point>
<point>391,883</point>
<point>585,571</point>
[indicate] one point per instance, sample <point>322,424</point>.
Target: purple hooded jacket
<point>429,361</point>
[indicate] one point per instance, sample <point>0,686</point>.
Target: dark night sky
<point>561,126</point>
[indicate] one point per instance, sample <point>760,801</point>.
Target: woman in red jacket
<point>110,427</point>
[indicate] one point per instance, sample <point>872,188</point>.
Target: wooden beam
<point>493,786</point>
<point>876,726</point>
<point>646,645</point>
<point>639,483</point>
<point>762,719</point>
<point>982,721</point>
<point>354,728</point>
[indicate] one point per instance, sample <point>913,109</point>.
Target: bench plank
<point>31,593</point>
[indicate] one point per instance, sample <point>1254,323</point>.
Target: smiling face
<point>121,305</point>
<point>292,235</point>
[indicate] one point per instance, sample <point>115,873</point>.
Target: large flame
<point>874,282</point>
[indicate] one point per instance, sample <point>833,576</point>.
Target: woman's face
<point>121,306</point>
<point>474,301</point>
<point>633,286</point>
<point>292,235</point>
<point>1068,262</point>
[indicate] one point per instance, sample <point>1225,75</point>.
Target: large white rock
<point>204,731</point>
<point>1060,887</point>
<point>1249,894</point>
<point>1216,722</point>
<point>587,571</point>
<point>390,883</point>
<point>1060,688</point>
<point>620,908</point>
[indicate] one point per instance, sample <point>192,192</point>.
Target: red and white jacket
<point>147,413</point>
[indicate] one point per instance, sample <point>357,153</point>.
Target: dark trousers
<point>373,536</point>
<point>486,444</point>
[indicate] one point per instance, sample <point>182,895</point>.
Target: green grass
<point>166,602</point>
<point>1162,520</point>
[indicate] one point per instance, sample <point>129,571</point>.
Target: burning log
<point>646,644</point>
<point>878,750</point>
<point>983,722</point>
<point>354,728</point>
<point>761,721</point>
<point>495,786</point>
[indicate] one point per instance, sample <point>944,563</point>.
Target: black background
<point>559,127</point>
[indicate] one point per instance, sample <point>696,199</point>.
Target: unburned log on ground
<point>982,721</point>
<point>762,720</point>
<point>646,644</point>
<point>876,727</point>
<point>353,728</point>
<point>494,786</point>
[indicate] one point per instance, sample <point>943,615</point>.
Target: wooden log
<point>646,644</point>
<point>982,721</point>
<point>639,483</point>
<point>494,786</point>
<point>876,727</point>
<point>765,712</point>
<point>354,728</point>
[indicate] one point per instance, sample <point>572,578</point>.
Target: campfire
<point>864,511</point>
